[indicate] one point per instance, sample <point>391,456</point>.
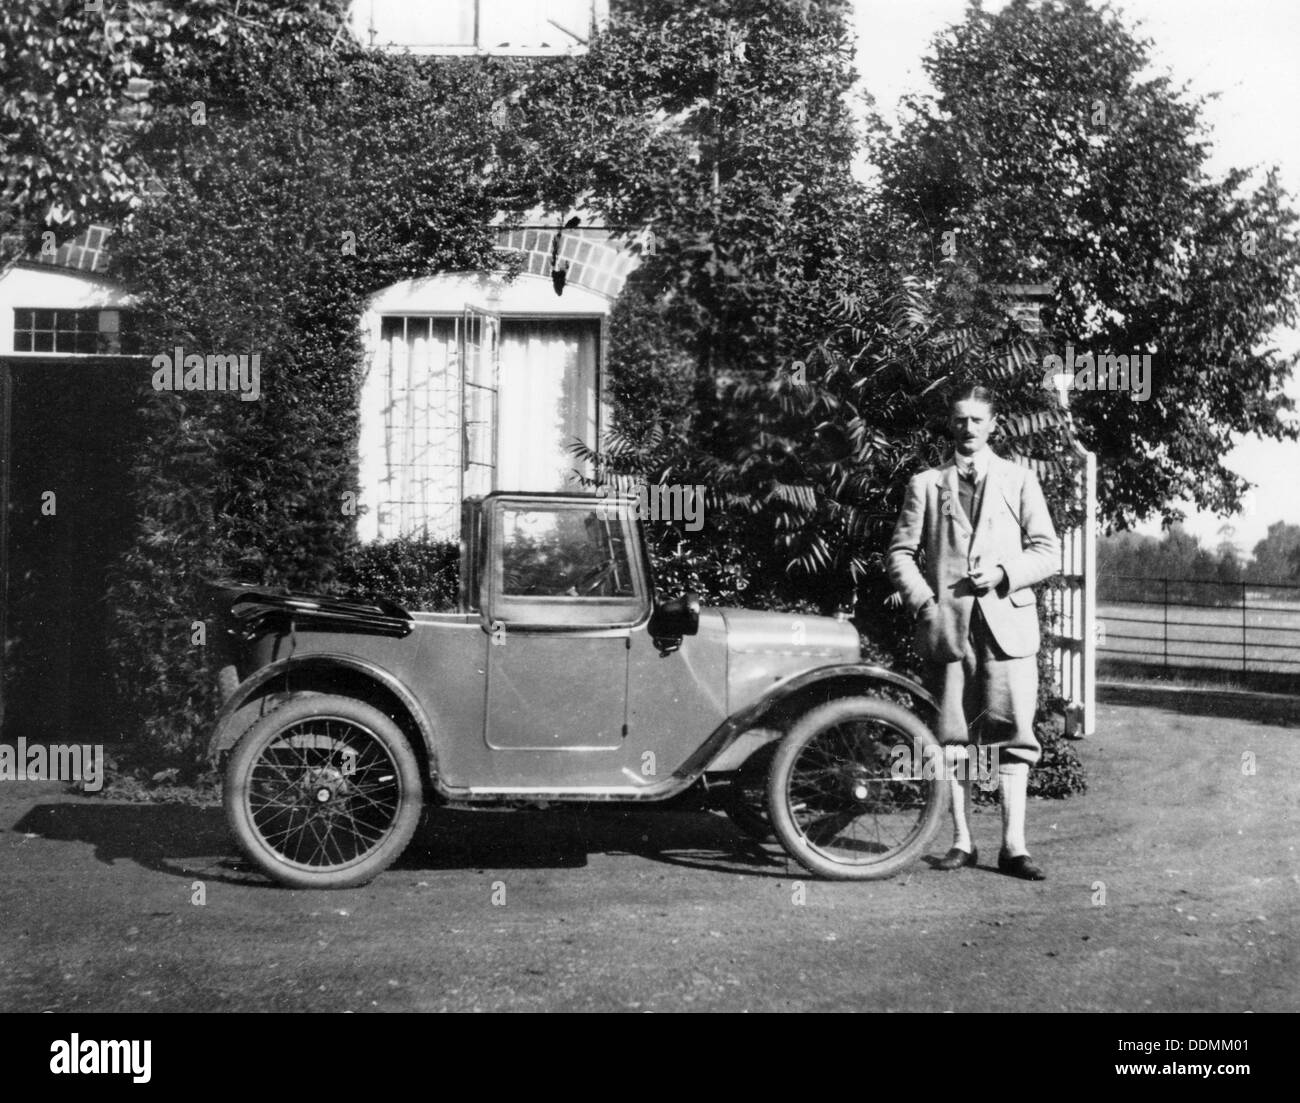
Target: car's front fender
<point>745,731</point>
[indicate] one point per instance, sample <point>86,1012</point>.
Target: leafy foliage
<point>415,573</point>
<point>282,214</point>
<point>79,88</point>
<point>1060,772</point>
<point>1049,152</point>
<point>1276,558</point>
<point>765,351</point>
<point>768,350</point>
<point>1131,566</point>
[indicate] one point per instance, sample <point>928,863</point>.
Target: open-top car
<point>560,679</point>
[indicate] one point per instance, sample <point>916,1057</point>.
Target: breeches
<point>986,698</point>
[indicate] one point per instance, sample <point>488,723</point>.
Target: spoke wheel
<point>847,794</point>
<point>324,792</point>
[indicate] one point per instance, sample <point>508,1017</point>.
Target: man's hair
<point>976,392</point>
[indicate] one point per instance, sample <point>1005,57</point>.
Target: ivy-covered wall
<point>768,350</point>
<point>284,209</point>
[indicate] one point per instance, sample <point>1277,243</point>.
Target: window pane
<point>402,23</point>
<point>564,553</point>
<point>532,24</point>
<point>109,325</point>
<point>421,428</point>
<point>71,331</point>
<point>86,332</point>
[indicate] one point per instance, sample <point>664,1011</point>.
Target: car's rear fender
<point>344,675</point>
<point>752,728</point>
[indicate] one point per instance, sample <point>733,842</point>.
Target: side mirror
<point>673,620</point>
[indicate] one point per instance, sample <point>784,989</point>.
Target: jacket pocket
<point>924,632</point>
<point>1023,597</point>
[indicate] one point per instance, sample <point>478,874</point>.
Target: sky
<point>1248,51</point>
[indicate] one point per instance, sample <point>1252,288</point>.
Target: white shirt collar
<point>980,461</point>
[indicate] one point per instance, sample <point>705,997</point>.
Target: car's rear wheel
<point>848,793</point>
<point>324,792</point>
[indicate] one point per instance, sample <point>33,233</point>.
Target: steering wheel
<point>595,581</point>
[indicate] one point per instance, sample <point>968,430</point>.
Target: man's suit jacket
<point>1013,530</point>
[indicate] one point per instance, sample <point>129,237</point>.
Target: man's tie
<point>966,480</point>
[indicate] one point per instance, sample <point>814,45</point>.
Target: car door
<point>563,591</point>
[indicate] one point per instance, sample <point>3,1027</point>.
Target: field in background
<point>1245,633</point>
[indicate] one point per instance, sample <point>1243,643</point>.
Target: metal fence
<point>1235,627</point>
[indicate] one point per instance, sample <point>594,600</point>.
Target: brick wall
<point>594,259</point>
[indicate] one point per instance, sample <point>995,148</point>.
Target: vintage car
<point>560,679</point>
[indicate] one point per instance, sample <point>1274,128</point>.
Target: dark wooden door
<point>67,457</point>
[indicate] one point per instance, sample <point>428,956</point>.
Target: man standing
<point>972,537</point>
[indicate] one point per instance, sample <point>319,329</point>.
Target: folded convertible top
<point>251,610</point>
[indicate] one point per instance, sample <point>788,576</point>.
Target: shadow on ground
<point>184,840</point>
<point>1263,708</point>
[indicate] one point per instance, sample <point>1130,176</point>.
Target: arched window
<point>474,385</point>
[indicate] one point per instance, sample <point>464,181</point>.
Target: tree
<point>1276,558</point>
<point>817,367</point>
<point>1177,566</point>
<point>1229,568</point>
<point>1048,152</point>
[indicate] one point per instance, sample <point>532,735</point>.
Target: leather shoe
<point>1019,866</point>
<point>956,859</point>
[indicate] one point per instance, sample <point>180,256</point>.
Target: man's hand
<point>985,579</point>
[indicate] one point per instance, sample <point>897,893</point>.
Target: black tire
<point>323,793</point>
<point>834,799</point>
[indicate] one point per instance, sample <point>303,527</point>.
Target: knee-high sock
<point>957,770</point>
<point>1013,780</point>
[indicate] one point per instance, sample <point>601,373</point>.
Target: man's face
<point>970,422</point>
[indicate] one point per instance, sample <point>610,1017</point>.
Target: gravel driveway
<point>1174,885</point>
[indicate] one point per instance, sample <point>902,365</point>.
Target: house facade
<point>473,381</point>
<point>481,380</point>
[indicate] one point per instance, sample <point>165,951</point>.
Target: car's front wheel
<point>852,793</point>
<point>323,792</point>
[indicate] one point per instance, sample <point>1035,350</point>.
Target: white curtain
<point>547,399</point>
